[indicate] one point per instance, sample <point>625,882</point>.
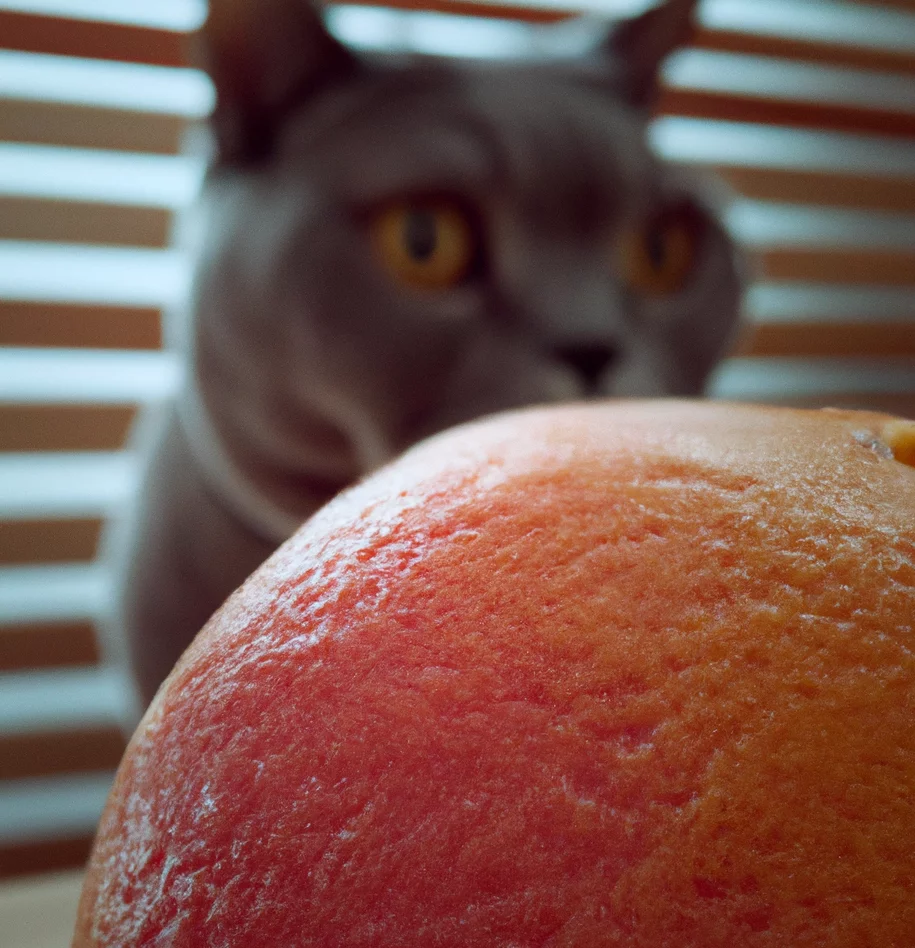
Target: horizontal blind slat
<point>854,57</point>
<point>118,42</point>
<point>50,753</point>
<point>34,271</point>
<point>31,219</point>
<point>780,379</point>
<point>777,78</point>
<point>63,699</point>
<point>48,541</point>
<point>81,484</point>
<point>791,302</point>
<point>52,593</point>
<point>177,15</point>
<point>96,175</point>
<point>765,224</point>
<point>80,126</point>
<point>842,340</point>
<point>812,187</point>
<point>151,90</point>
<point>50,427</point>
<point>752,145</point>
<point>61,325</point>
<point>18,860</point>
<point>111,377</point>
<point>841,267</point>
<point>720,107</point>
<point>31,646</point>
<point>52,808</point>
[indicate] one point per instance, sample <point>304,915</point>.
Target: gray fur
<point>308,367</point>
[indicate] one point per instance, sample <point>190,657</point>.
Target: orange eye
<point>659,259</point>
<point>428,246</point>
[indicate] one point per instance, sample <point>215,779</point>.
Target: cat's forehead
<point>526,130</point>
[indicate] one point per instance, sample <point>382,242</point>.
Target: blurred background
<point>806,108</point>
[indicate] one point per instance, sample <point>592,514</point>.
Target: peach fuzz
<point>634,674</point>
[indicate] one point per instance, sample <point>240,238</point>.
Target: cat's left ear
<point>637,47</point>
<point>627,54</point>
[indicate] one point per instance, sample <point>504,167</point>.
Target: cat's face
<point>429,242</point>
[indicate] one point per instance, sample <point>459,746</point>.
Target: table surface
<point>38,911</point>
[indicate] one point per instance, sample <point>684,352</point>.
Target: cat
<point>386,246</point>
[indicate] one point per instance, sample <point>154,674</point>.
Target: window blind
<point>805,107</point>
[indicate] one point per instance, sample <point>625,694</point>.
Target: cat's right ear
<point>624,55</point>
<point>635,49</point>
<point>264,56</point>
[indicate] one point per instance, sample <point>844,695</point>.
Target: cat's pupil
<point>655,246</point>
<point>420,235</point>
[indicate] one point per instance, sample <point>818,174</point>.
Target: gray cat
<point>386,246</point>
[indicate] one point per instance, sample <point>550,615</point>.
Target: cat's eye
<point>659,258</point>
<point>428,245</point>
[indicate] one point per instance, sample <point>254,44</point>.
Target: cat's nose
<point>589,360</point>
